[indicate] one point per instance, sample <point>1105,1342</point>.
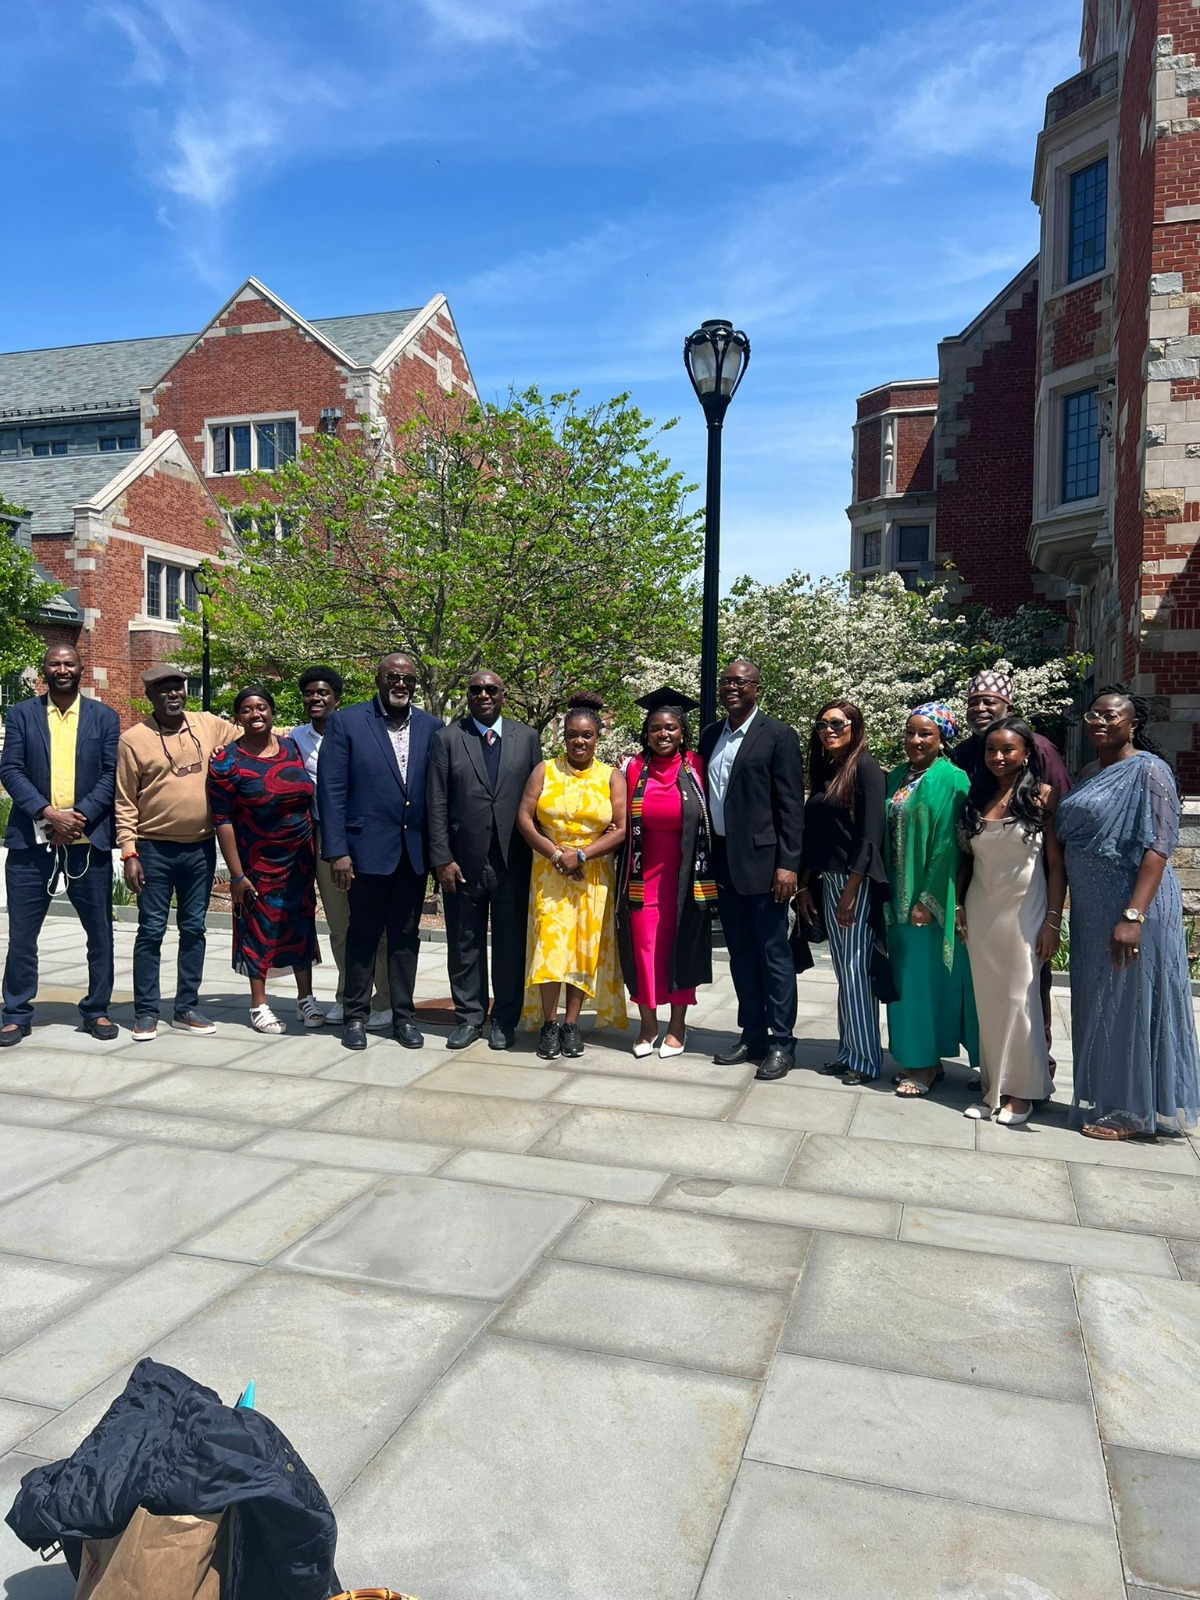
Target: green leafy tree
<point>542,539</point>
<point>23,594</point>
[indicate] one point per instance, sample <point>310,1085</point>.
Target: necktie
<point>489,737</point>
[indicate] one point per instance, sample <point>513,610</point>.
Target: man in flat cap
<point>165,836</point>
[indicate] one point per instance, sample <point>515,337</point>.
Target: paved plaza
<point>608,1328</point>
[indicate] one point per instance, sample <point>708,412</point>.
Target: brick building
<point>1067,435</point>
<point>116,453</point>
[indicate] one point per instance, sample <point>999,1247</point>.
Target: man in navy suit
<point>371,790</point>
<point>59,767</point>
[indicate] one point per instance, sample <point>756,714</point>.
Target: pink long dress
<point>653,927</point>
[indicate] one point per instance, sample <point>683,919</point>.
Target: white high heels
<point>666,1051</point>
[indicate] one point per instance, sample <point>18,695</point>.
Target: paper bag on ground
<point>156,1558</point>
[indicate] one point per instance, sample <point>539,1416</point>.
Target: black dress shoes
<point>409,1035</point>
<point>500,1038</point>
<point>466,1033</point>
<point>14,1032</point>
<point>777,1063</point>
<point>101,1028</point>
<point>740,1052</point>
<point>354,1036</point>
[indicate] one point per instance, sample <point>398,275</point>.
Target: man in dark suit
<point>755,779</point>
<point>478,769</point>
<point>59,767</point>
<point>371,792</point>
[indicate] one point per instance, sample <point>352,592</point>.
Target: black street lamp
<point>716,357</point>
<point>203,588</point>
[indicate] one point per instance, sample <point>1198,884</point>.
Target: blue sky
<point>585,179</point>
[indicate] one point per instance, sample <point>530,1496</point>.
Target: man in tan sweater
<point>165,836</point>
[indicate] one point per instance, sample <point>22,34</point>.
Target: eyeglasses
<point>489,689</point>
<point>1104,716</point>
<point>825,726</point>
<point>736,683</point>
<point>406,678</point>
<point>193,766</point>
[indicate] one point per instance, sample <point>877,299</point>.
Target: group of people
<point>940,885</point>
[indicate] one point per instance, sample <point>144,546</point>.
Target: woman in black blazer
<point>844,876</point>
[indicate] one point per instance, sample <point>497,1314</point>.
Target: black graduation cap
<point>659,699</point>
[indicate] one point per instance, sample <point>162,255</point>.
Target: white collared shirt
<point>308,742</point>
<point>720,765</point>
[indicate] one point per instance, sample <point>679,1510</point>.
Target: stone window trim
<point>167,587</point>
<point>1048,436</point>
<point>1071,146</point>
<point>222,449</point>
<point>870,550</point>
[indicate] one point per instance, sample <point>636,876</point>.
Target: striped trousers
<point>858,1009</point>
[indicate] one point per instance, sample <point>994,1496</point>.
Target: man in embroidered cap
<point>989,700</point>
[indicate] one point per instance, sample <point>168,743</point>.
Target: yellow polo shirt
<point>64,732</point>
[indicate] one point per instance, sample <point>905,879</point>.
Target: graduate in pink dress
<point>664,916</point>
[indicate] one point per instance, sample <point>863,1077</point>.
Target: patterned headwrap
<point>938,711</point>
<point>989,682</point>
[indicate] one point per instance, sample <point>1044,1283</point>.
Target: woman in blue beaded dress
<point>1137,1066</point>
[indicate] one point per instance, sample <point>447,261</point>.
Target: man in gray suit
<point>478,768</point>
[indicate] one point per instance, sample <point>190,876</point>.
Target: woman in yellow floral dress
<point>573,817</point>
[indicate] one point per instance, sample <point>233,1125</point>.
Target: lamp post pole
<point>203,590</point>
<point>716,357</point>
<point>710,605</point>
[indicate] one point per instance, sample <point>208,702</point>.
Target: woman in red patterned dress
<point>261,799</point>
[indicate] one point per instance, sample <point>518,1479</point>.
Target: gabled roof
<point>73,380</point>
<point>51,487</point>
<point>78,378</point>
<point>365,337</point>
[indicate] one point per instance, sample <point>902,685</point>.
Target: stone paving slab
<point>484,1122</point>
<point>797,1536</point>
<point>116,1122</point>
<point>681,1144</point>
<point>993,1320</point>
<point>437,1236</point>
<point>543,1173</point>
<point>31,1156</point>
<point>1156,1498</point>
<point>806,1109</point>
<point>960,1180</point>
<point>36,1293</point>
<point>679,1244</point>
<point>28,1111</point>
<point>647,1094</point>
<point>1037,1241</point>
<point>1143,1343</point>
<point>239,1096</point>
<point>66,1360</point>
<point>549,1473</point>
<point>752,1202</point>
<point>282,1215</point>
<point>1012,1452</point>
<point>27,1577</point>
<point>133,1204</point>
<point>1142,1202</point>
<point>347,1150</point>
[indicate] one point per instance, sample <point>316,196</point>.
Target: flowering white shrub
<point>887,649</point>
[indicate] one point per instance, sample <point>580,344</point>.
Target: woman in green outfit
<point>935,1013</point>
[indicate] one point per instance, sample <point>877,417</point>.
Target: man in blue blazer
<point>59,768</point>
<point>371,792</point>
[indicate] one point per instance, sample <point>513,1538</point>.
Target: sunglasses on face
<point>1103,716</point>
<point>827,725</point>
<point>489,689</point>
<point>406,678</point>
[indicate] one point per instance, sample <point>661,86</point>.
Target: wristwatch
<point>1132,914</point>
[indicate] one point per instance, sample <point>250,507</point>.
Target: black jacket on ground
<point>167,1443</point>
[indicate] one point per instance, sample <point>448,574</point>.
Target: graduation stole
<point>704,886</point>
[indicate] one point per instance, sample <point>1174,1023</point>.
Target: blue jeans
<point>186,871</point>
<point>89,889</point>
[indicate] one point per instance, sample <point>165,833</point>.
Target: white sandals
<point>310,1012</point>
<point>264,1020</point>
